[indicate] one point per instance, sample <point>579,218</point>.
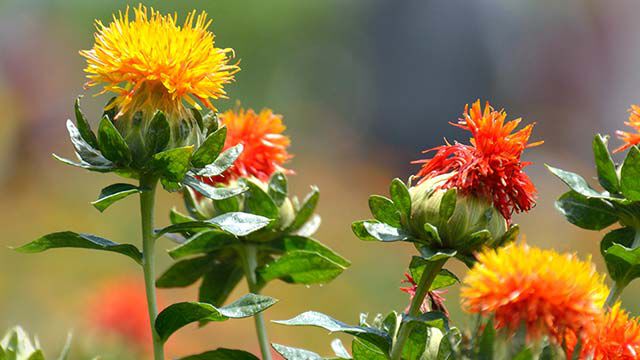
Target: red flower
<point>433,301</point>
<point>265,147</point>
<point>490,166</point>
<point>630,139</point>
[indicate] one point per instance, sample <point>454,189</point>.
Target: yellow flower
<point>547,292</point>
<point>152,63</point>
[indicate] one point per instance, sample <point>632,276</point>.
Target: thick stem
<point>429,274</point>
<point>250,263</point>
<point>147,202</point>
<point>618,286</point>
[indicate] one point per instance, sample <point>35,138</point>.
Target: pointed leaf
<point>310,227</point>
<point>302,267</point>
<point>208,152</point>
<point>290,353</point>
<point>400,196</point>
<point>222,163</point>
<point>172,164</point>
<point>433,233</point>
<point>214,193</point>
<point>84,165</point>
<point>240,223</point>
<point>587,213</point>
<point>84,151</point>
<point>630,175</point>
<point>258,202</point>
<point>384,232</point>
<point>202,243</point>
<point>278,188</point>
<point>339,349</point>
<point>448,204</point>
<point>306,209</point>
<point>184,273</point>
<point>364,350</point>
<point>384,210</point>
<point>221,279</point>
<point>158,134</point>
<point>607,175</point>
<point>576,182</point>
<point>296,242</point>
<point>113,193</point>
<point>112,144</point>
<point>83,125</point>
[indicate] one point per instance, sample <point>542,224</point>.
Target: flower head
<point>547,292</point>
<point>617,336</point>
<point>434,301</point>
<point>630,139</point>
<point>153,62</point>
<point>490,166</point>
<point>264,146</point>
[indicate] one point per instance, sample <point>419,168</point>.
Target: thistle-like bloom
<point>152,62</point>
<point>434,301</point>
<point>491,165</point>
<point>547,292</point>
<point>265,145</point>
<point>630,139</point>
<point>617,336</point>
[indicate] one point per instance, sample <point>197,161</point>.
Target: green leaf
<point>202,243</point>
<point>364,350</point>
<point>290,353</point>
<point>509,236</point>
<point>112,144</point>
<point>587,213</point>
<point>429,254</point>
<point>384,210</point>
<point>623,262</point>
<point>222,163</point>
<point>258,202</point>
<point>607,175</point>
<point>184,273</point>
<point>240,223</point>
<point>630,175</point>
<point>172,164</point>
<point>84,165</point>
<point>224,275</point>
<point>310,227</point>
<point>312,318</point>
<point>222,354</point>
<point>113,193</point>
<point>295,242</point>
<point>360,231</point>
<point>306,209</point>
<point>37,355</point>
<point>444,278</point>
<point>179,315</point>
<point>83,125</point>
<point>433,233</point>
<point>401,197</point>
<point>576,182</point>
<point>176,217</point>
<point>278,188</point>
<point>448,204</point>
<point>487,341</point>
<point>84,151</point>
<point>384,232</point>
<point>158,134</point>
<point>214,193</point>
<point>68,239</point>
<point>208,152</point>
<point>301,267</point>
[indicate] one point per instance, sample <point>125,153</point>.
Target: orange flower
<point>630,139</point>
<point>153,62</point>
<point>548,292</point>
<point>491,165</point>
<point>617,336</point>
<point>265,147</point>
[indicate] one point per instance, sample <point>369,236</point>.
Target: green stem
<point>250,264</point>
<point>429,274</point>
<point>147,202</point>
<point>618,286</point>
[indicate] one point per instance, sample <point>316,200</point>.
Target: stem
<point>618,286</point>
<point>250,263</point>
<point>429,274</point>
<point>147,201</point>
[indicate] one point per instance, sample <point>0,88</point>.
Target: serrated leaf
<point>384,210</point>
<point>158,134</point>
<point>113,193</point>
<point>112,144</point>
<point>83,125</point>
<point>607,175</point>
<point>222,163</point>
<point>222,354</point>
<point>384,232</point>
<point>306,210</point>
<point>587,213</point>
<point>630,175</point>
<point>208,152</point>
<point>214,193</point>
<point>179,315</point>
<point>68,239</point>
<point>278,188</point>
<point>301,267</point>
<point>172,164</point>
<point>203,242</point>
<point>401,197</point>
<point>290,353</point>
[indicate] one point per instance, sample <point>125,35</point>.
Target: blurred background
<point>364,86</point>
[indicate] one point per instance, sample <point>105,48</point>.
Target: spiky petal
<point>434,301</point>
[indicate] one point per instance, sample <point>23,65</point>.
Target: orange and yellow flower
<point>630,139</point>
<point>617,336</point>
<point>265,145</point>
<point>153,62</point>
<point>547,292</point>
<point>491,165</point>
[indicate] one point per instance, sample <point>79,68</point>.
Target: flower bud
<point>471,214</point>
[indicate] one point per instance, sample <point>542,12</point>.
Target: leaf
<point>401,197</point>
<point>222,354</point>
<point>84,165</point>
<point>112,144</point>
<point>310,227</point>
<point>607,175</point>
<point>84,151</point>
<point>301,267</point>
<point>258,202</point>
<point>339,349</point>
<point>360,231</point>
<point>587,213</point>
<point>429,254</point>
<point>221,279</point>
<point>214,193</point>
<point>295,242</point>
<point>113,193</point>
<point>202,243</point>
<point>384,232</point>
<point>448,204</point>
<point>240,223</point>
<point>306,209</point>
<point>68,239</point>
<point>509,236</point>
<point>363,350</point>
<point>278,188</point>
<point>208,152</point>
<point>444,278</point>
<point>630,175</point>
<point>158,134</point>
<point>623,262</point>
<point>433,233</point>
<point>173,164</point>
<point>184,273</point>
<point>83,125</point>
<point>290,353</point>
<point>576,182</point>
<point>222,163</point>
<point>179,315</point>
<point>312,318</point>
<point>384,210</point>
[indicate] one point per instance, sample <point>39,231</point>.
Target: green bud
<point>456,228</point>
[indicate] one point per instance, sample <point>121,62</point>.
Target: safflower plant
<point>161,127</point>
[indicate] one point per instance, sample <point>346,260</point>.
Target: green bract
<point>16,345</point>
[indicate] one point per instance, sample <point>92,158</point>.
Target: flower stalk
<point>249,254</point>
<point>424,285</point>
<point>147,202</point>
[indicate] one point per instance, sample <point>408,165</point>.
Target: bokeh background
<point>364,86</point>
